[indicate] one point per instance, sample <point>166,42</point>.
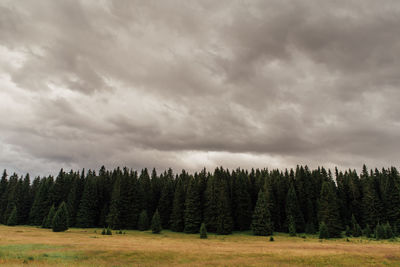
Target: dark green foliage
<point>178,208</point>
<point>12,219</point>
<point>104,231</point>
<point>48,220</point>
<point>294,215</point>
<point>388,231</point>
<point>241,201</point>
<point>328,210</point>
<point>88,209</point>
<point>347,231</point>
<point>203,231</point>
<point>292,227</point>
<point>271,239</point>
<point>367,231</point>
<point>166,200</point>
<point>261,224</point>
<point>355,227</point>
<point>156,223</point>
<point>143,223</point>
<point>380,232</point>
<point>108,231</point>
<point>310,229</point>
<point>60,220</point>
<point>192,209</point>
<point>223,200</point>
<point>323,231</point>
<point>113,218</point>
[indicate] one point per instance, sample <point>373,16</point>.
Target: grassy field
<point>85,247</point>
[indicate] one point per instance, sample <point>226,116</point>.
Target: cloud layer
<point>185,85</point>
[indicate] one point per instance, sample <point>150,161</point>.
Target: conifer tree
<point>178,208</point>
<point>224,219</point>
<point>60,220</point>
<point>113,218</point>
<point>292,227</point>
<point>323,231</point>
<point>203,231</point>
<point>328,210</point>
<point>42,202</point>
<point>261,224</point>
<point>165,203</point>
<point>241,202</point>
<point>48,220</point>
<point>367,231</point>
<point>379,231</point>
<point>192,209</point>
<point>293,212</point>
<point>210,207</point>
<point>156,223</point>
<point>12,219</point>
<point>88,209</point>
<point>143,223</point>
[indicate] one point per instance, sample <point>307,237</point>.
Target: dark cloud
<point>187,85</point>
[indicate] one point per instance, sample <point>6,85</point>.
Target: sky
<point>193,84</point>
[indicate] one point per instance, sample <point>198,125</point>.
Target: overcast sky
<point>187,84</point>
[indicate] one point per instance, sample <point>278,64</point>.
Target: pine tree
<point>388,231</point>
<point>12,219</point>
<point>143,223</point>
<point>203,231</point>
<point>261,224</point>
<point>367,231</point>
<point>323,231</point>
<point>293,212</point>
<point>178,208</point>
<point>356,229</point>
<point>292,226</point>
<point>60,220</point>
<point>156,223</point>
<point>113,218</point>
<point>48,220</point>
<point>328,210</point>
<point>166,200</point>
<point>192,209</point>
<point>88,209</point>
<point>241,202</point>
<point>379,232</point>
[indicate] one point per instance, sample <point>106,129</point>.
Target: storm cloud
<point>188,84</point>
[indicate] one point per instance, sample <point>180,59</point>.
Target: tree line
<point>262,200</point>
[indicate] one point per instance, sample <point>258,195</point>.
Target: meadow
<point>87,247</point>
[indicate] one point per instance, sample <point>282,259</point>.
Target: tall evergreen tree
<point>261,224</point>
<point>156,223</point>
<point>113,218</point>
<point>241,202</point>
<point>48,220</point>
<point>178,208</point>
<point>293,212</point>
<point>224,219</point>
<point>12,219</point>
<point>60,220</point>
<point>328,210</point>
<point>143,223</point>
<point>192,209</point>
<point>88,209</point>
<point>166,200</point>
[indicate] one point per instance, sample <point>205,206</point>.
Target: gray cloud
<point>186,85</point>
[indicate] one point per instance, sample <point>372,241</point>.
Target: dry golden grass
<point>84,247</point>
